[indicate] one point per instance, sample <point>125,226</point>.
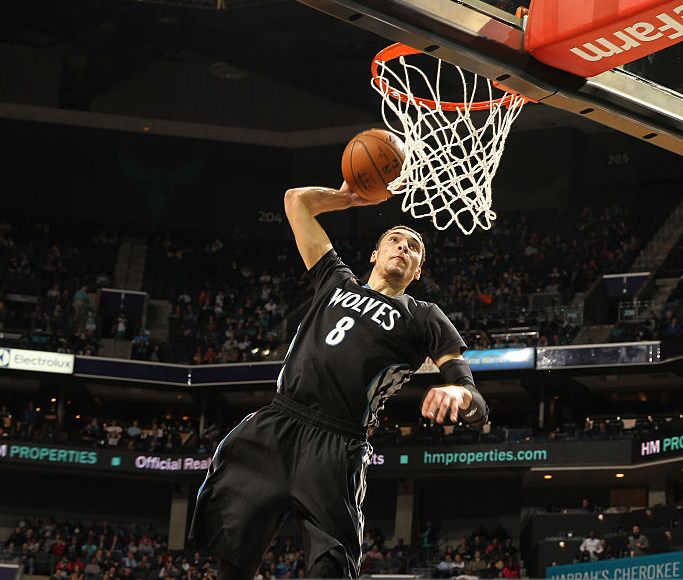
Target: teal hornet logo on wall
<point>159,185</point>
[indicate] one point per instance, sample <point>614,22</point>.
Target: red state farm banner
<point>587,37</point>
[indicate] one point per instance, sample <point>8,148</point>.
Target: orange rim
<point>399,49</point>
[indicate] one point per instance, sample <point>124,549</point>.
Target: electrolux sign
<point>36,360</point>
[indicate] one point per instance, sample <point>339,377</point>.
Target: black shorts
<point>281,460</point>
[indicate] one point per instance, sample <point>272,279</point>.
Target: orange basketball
<point>371,161</point>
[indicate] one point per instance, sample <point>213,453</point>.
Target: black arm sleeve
<point>457,372</point>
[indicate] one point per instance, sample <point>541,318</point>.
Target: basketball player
<point>306,453</point>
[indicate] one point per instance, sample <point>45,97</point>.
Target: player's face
<point>398,255</point>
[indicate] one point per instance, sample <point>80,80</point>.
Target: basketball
<point>371,161</point>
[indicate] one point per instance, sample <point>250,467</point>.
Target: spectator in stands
<point>427,541</point>
<point>651,324</point>
<point>6,421</point>
<point>92,569</point>
<point>477,541</point>
<point>672,329</point>
<point>48,431</point>
<point>458,565</point>
<point>477,565</point>
<point>27,423</point>
<point>463,548</point>
<point>493,548</point>
<point>373,556</point>
<point>444,569</point>
<point>510,568</point>
<point>586,506</point>
<point>209,356</point>
<point>146,546</point>
<point>494,567</point>
<point>616,333</point>
<point>638,544</point>
<point>91,433</point>
<point>591,547</point>
<point>57,545</point>
<point>129,560</point>
<point>114,432</point>
<point>79,302</point>
<point>121,327</point>
<point>134,430</point>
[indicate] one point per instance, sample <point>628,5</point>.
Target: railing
<point>638,310</point>
<point>31,563</point>
<point>540,308</point>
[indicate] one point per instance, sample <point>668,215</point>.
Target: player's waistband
<point>319,419</point>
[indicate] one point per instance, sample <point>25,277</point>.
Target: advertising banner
<point>654,567</point>
<point>492,359</point>
<point>414,459</point>
<point>36,360</point>
<point>657,447</point>
<point>422,458</point>
<point>102,458</point>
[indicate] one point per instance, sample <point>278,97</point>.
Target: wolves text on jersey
<point>379,311</point>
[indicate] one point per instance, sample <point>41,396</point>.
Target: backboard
<point>643,98</point>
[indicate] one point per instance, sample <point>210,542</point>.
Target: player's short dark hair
<point>423,254</point>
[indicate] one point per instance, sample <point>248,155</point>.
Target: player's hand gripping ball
<point>371,161</point>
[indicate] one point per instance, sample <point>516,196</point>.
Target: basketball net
<point>451,159</point>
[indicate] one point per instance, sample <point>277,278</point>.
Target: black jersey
<point>356,347</point>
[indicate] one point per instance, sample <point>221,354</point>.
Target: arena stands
<point>231,299</point>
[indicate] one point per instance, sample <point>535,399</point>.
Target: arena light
<point>547,476</point>
<point>619,475</point>
<point>53,400</point>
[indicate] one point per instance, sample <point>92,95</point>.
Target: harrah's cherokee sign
<point>36,360</point>
<point>597,38</point>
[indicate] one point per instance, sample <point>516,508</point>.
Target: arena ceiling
<point>113,53</point>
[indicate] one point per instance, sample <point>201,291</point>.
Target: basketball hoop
<point>450,160</point>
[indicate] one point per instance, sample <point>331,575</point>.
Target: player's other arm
<point>459,398</point>
<point>302,204</point>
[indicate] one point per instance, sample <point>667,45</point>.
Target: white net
<point>451,159</point>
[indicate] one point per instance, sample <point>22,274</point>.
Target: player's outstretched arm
<point>459,398</point>
<point>302,204</point>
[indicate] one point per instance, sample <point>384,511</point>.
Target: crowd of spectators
<point>522,273</point>
<point>666,329</point>
<point>228,295</point>
<point>76,550</point>
<point>182,434</point>
<point>46,273</point>
<point>481,554</point>
<point>167,435</point>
